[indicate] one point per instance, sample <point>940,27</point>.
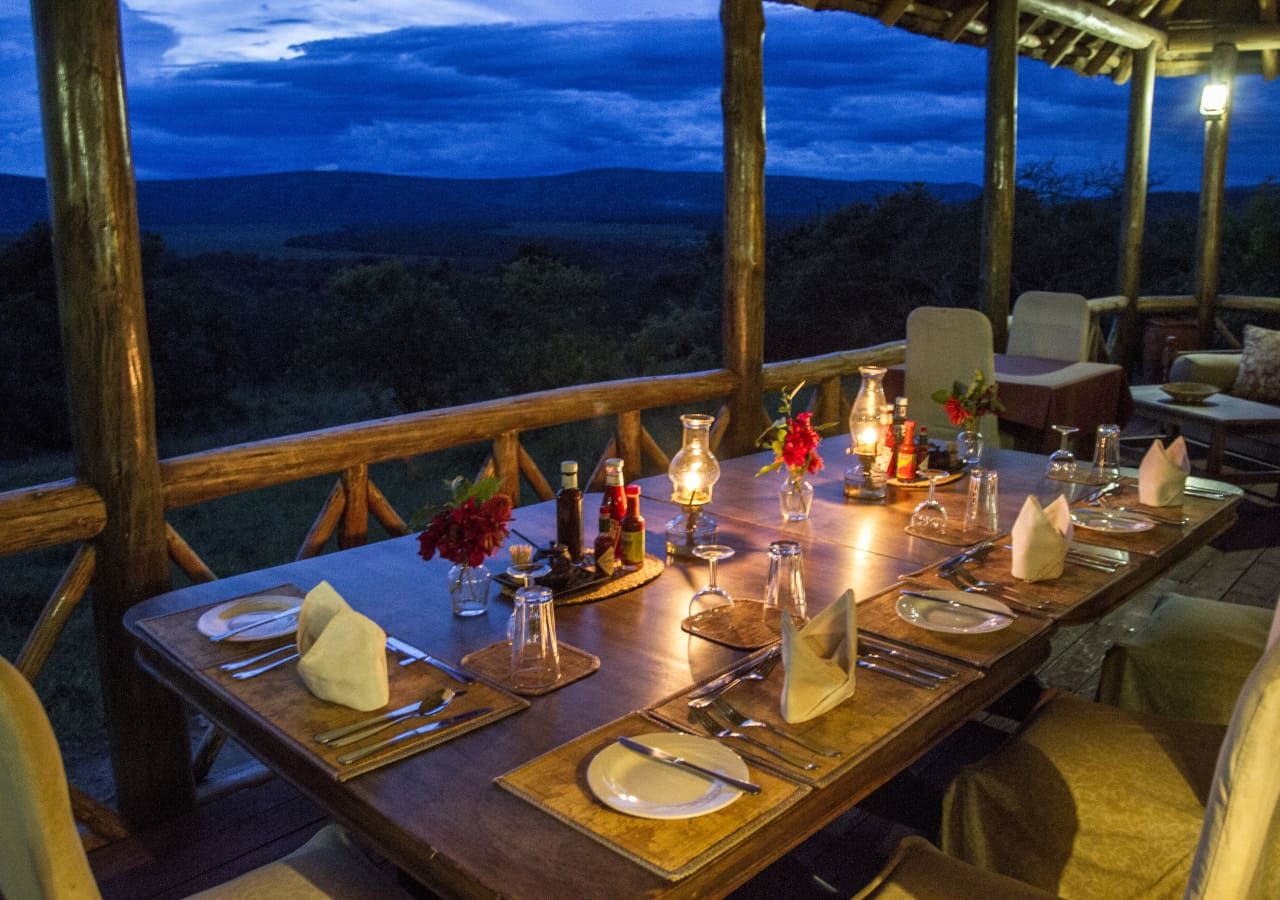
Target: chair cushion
<point>919,871</point>
<point>1217,369</point>
<point>1259,375</point>
<point>1088,801</point>
<point>1189,660</point>
<point>328,865</point>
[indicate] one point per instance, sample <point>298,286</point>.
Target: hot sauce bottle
<point>632,537</point>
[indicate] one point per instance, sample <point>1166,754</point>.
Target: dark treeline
<point>418,335</point>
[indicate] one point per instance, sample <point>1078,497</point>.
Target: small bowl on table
<point>1189,391</point>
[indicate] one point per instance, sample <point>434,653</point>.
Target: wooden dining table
<point>440,814</point>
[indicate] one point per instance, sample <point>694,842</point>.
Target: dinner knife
<point>326,737</point>
<point>416,655</point>
<point>357,755</point>
<point>969,553</point>
<point>252,625</point>
<point>1206,493</point>
<point>948,601</point>
<point>929,684</point>
<point>718,684</point>
<point>680,762</point>
<point>1101,492</point>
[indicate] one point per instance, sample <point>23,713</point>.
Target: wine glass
<point>1062,462</point>
<point>524,574</point>
<point>712,553</point>
<point>929,516</point>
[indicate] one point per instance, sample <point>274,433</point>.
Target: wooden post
<point>999,178</point>
<point>1133,207</point>
<point>742,100</point>
<point>104,335</point>
<point>629,443</point>
<point>353,528</point>
<point>506,459</point>
<point>1212,192</point>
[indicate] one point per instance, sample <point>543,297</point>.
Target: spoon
<point>431,704</point>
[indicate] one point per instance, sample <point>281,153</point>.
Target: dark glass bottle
<point>569,510</point>
<point>922,449</point>
<point>632,539</point>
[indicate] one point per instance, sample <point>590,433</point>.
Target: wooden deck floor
<point>240,831</point>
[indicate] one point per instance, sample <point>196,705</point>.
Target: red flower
<point>793,439</point>
<point>467,533</point>
<point>956,411</point>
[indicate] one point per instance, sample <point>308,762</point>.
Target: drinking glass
<point>712,553</point>
<point>1106,453</point>
<point>981,512</point>
<point>524,574</point>
<point>535,654</point>
<point>929,516</point>
<point>785,589</point>
<point>1062,462</point>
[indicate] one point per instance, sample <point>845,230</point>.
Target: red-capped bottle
<point>632,531</point>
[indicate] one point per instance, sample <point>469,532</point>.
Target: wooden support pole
<point>353,528</point>
<point>629,443</point>
<point>1212,197</point>
<point>742,102</point>
<point>98,265</point>
<point>186,557</point>
<point>385,513</point>
<point>325,523</point>
<point>653,451</point>
<point>999,166</point>
<point>1133,205</point>
<point>529,468</point>
<point>506,460</point>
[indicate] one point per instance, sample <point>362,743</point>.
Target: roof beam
<point>892,12</point>
<point>1267,15</point>
<point>1097,21</point>
<point>1203,38</point>
<point>961,20</point>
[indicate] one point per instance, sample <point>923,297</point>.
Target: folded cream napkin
<point>1163,473</point>
<point>344,654</point>
<point>820,658</point>
<point>1041,536</point>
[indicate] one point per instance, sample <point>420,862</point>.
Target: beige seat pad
<point>1088,801</point>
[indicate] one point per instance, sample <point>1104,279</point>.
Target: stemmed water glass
<point>712,553</point>
<point>929,516</point>
<point>1062,462</point>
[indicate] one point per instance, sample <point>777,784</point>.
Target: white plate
<point>634,784</point>
<point>940,615</point>
<point>237,613</point>
<point>1108,520</point>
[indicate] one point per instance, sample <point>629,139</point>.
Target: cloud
<point>846,97</point>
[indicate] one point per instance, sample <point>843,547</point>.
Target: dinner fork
<point>995,588</point>
<point>759,673</point>
<point>970,585</point>
<point>704,720</point>
<point>738,719</point>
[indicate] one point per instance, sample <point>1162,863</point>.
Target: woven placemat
<point>556,783</point>
<point>742,624</point>
<point>278,700</point>
<point>881,706</point>
<point>494,663</point>
<point>619,583</point>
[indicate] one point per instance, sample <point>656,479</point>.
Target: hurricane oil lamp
<point>863,481</point>
<point>694,472</point>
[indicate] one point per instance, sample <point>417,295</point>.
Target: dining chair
<point>41,855</point>
<point>1050,325</point>
<point>946,345</point>
<point>1188,660</point>
<point>1089,800</point>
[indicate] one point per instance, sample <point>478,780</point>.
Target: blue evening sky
<point>457,88</point>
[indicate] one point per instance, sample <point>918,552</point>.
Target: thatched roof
<point>1097,38</point>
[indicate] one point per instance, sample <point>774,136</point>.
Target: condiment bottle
<point>569,510</point>
<point>632,540</point>
<point>896,434</point>
<point>907,452</point>
<point>922,449</point>
<point>616,496</point>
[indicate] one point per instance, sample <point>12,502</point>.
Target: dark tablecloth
<point>1040,393</point>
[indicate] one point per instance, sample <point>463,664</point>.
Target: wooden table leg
<point>1217,447</point>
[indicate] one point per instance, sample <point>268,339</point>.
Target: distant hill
<point>319,200</point>
<point>347,210</point>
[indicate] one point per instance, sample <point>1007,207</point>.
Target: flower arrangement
<point>793,439</point>
<point>965,405</point>
<point>470,526</point>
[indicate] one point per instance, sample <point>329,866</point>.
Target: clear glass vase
<point>469,590</point>
<point>969,445</point>
<point>795,497</point>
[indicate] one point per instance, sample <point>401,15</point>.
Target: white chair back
<point>944,346</point>
<point>1239,851</point>
<point>1050,325</point>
